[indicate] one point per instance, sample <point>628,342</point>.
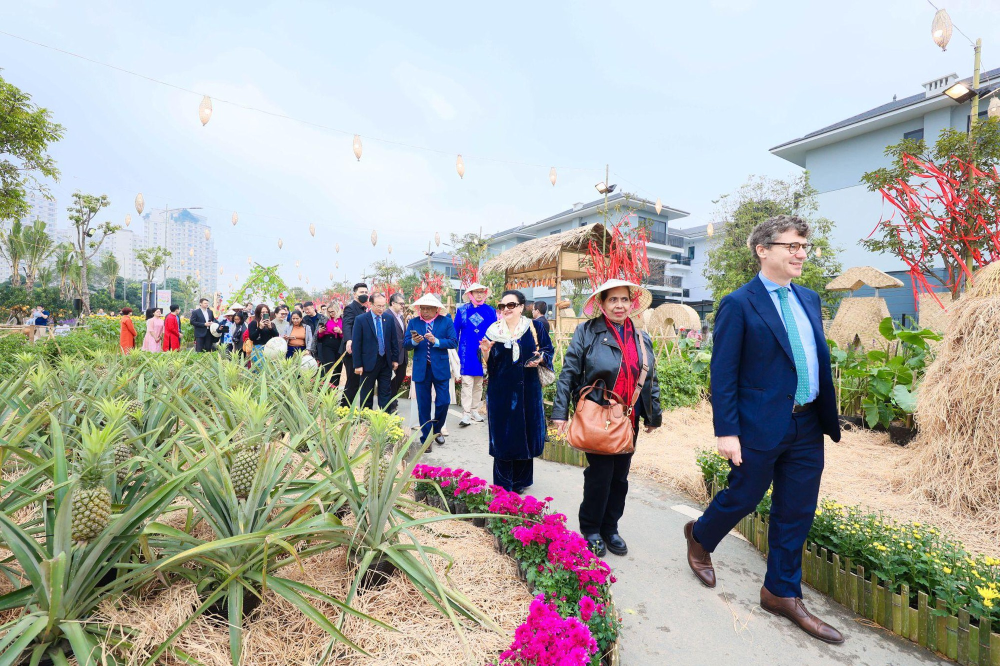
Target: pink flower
<point>587,608</point>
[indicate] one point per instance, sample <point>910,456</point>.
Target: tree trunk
<point>111,287</point>
<point>84,285</point>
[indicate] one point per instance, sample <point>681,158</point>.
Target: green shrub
<point>680,385</point>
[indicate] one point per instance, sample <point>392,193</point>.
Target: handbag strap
<point>587,389</point>
<point>642,373</point>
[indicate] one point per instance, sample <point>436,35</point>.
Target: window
<point>675,241</point>
<point>553,233</point>
<point>657,230</point>
<point>916,135</point>
<point>674,281</point>
<point>691,252</point>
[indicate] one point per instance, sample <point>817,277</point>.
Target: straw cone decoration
<point>957,461</point>
<point>667,318</point>
<point>934,314</point>
<point>985,282</point>
<point>857,322</point>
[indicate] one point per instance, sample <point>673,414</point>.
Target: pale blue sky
<point>683,101</point>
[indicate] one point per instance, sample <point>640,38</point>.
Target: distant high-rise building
<point>123,245</point>
<point>42,209</point>
<point>182,232</point>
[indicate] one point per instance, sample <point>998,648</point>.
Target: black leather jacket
<point>594,357</point>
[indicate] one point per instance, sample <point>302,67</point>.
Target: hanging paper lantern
<point>281,243</point>
<point>336,265</point>
<point>659,205</point>
<point>336,248</point>
<point>140,203</point>
<point>437,239</point>
<point>710,229</point>
<point>460,167</point>
<point>220,270</point>
<point>818,252</point>
<point>390,249</point>
<point>312,229</point>
<point>941,29</point>
<point>357,146</point>
<point>331,276</point>
<point>236,218</point>
<point>205,110</point>
<point>182,262</point>
<point>300,276</point>
<point>128,216</point>
<point>230,286</point>
<point>993,111</point>
<point>208,234</point>
<point>552,176</point>
<point>236,278</point>
<point>374,237</point>
<point>249,261</point>
<point>191,252</point>
<point>307,279</point>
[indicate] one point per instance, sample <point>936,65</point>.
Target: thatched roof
<point>859,276</point>
<point>857,322</point>
<point>985,282</point>
<point>544,251</point>
<point>934,314</point>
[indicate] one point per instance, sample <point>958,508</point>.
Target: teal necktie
<point>798,351</point>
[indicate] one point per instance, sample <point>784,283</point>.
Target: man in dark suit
<point>772,402</point>
<point>376,352</point>
<point>396,305</point>
<point>430,335</point>
<point>201,317</point>
<point>351,312</point>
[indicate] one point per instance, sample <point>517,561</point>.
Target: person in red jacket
<point>126,339</point>
<point>172,330</point>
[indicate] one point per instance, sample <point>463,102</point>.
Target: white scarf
<point>498,332</point>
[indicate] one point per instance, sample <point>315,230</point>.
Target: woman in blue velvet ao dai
<point>514,347</point>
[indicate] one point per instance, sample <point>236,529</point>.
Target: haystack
<point>669,317</point>
<point>956,461</point>
<point>935,315</point>
<point>860,276</point>
<point>985,282</point>
<point>857,320</point>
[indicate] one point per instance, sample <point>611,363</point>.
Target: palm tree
<point>12,250</point>
<point>46,276</point>
<point>109,268</point>
<point>65,260</point>
<point>38,247</point>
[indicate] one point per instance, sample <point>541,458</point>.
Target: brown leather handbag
<point>606,429</point>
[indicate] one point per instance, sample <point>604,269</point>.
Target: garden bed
<point>863,468</point>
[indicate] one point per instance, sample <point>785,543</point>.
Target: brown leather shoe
<point>795,610</point>
<point>699,559</point>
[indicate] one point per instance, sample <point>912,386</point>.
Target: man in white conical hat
<point>471,321</point>
<point>430,335</point>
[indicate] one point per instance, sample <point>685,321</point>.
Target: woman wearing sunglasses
<point>513,348</point>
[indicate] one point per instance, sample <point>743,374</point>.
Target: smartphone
<point>265,316</point>
<point>537,356</point>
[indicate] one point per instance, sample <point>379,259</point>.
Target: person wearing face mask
<point>471,322</point>
<point>354,309</point>
<point>514,347</point>
<point>609,360</point>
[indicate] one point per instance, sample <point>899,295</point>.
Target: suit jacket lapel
<point>762,303</point>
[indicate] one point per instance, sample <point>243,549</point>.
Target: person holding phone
<point>260,330</point>
<point>513,348</point>
<point>430,335</point>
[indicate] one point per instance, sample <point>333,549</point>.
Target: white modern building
<point>183,233</point>
<point>123,244</point>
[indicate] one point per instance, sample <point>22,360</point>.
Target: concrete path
<point>669,617</point>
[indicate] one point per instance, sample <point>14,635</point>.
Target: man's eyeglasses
<point>509,306</point>
<point>793,248</point>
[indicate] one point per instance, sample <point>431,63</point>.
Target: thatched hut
<point>934,312</point>
<point>857,320</point>
<point>985,282</point>
<point>549,261</point>
<point>670,317</point>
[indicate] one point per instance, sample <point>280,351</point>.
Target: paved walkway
<point>669,617</point>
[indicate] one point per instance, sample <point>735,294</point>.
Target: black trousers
<point>353,382</point>
<point>397,384</point>
<point>605,485</point>
<point>206,343</point>
<point>382,375</point>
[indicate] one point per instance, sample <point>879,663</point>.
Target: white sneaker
<point>466,420</point>
<point>444,431</point>
<point>477,417</point>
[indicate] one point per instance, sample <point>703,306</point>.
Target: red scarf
<point>628,374</point>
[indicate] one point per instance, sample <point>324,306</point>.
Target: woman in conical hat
<point>611,353</point>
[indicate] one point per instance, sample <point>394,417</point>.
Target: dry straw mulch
<point>863,468</point>
<point>278,634</point>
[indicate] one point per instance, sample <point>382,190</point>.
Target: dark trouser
<point>397,384</point>
<point>605,485</point>
<point>442,398</point>
<point>205,343</point>
<point>382,374</point>
<point>794,467</point>
<point>290,352</point>
<point>511,474</point>
<point>353,382</point>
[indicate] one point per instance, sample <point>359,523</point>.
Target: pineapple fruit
<point>244,468</point>
<point>123,453</point>
<point>91,509</point>
<point>135,410</point>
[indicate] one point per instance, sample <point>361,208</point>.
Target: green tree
<point>152,259</point>
<point>973,221</point>
<point>12,250</point>
<point>82,213</point>
<point>407,284</point>
<point>25,134</point>
<point>65,259</point>
<point>186,293</point>
<point>38,247</point>
<point>384,272</point>
<point>731,264</point>
<point>110,267</point>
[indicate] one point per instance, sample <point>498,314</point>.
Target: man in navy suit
<point>430,335</point>
<point>375,351</point>
<point>772,402</point>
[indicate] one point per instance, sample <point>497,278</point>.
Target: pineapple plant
<point>91,509</point>
<point>244,468</point>
<point>112,413</point>
<point>134,410</point>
